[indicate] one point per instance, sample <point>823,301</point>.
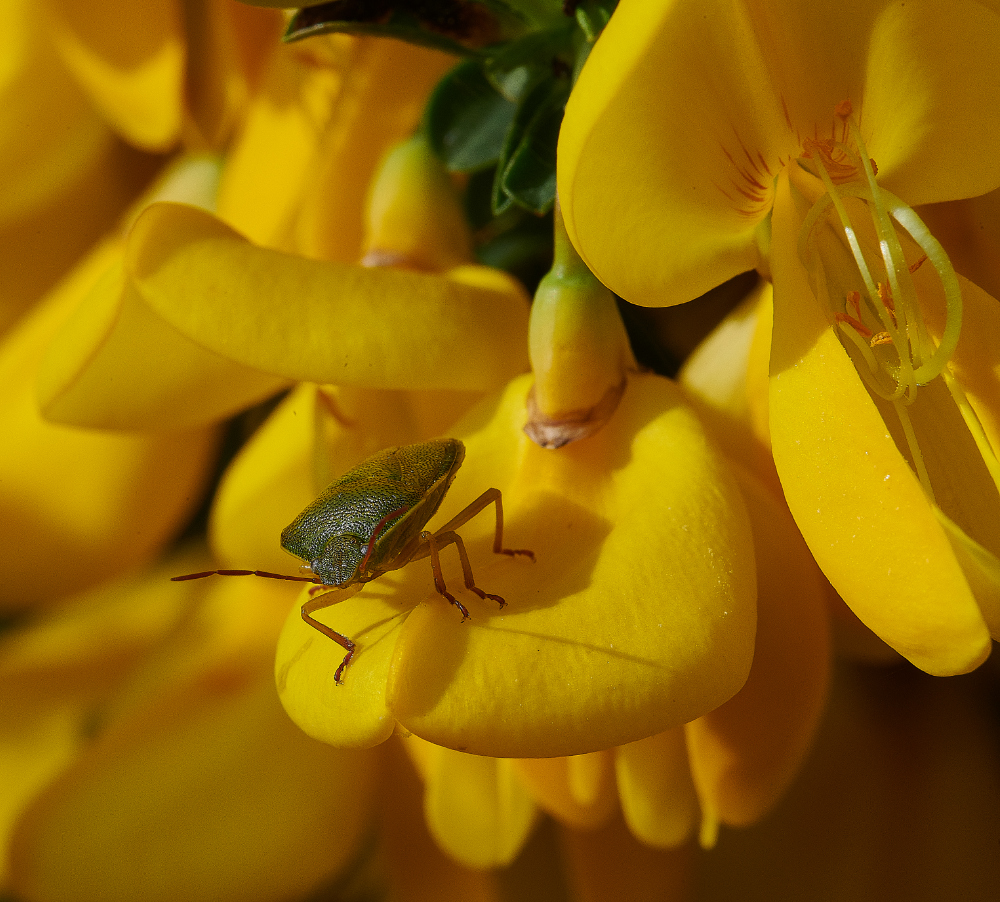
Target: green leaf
<point>529,175</point>
<point>467,119</point>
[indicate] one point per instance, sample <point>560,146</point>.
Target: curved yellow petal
<point>325,321</point>
<point>930,101</point>
<point>130,59</point>
<point>353,714</point>
<point>78,506</point>
<point>116,364</point>
<point>685,113</point>
<point>638,614</point>
<point>854,497</point>
<point>478,809</point>
<point>659,140</point>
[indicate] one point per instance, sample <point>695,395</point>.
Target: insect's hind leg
<point>441,540</point>
<point>490,496</point>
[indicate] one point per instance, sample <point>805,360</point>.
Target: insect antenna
<point>264,573</point>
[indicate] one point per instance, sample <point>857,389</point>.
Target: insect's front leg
<point>315,604</point>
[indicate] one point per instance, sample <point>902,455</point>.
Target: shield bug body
<point>371,520</point>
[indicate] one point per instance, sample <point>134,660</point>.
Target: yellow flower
<point>722,135</point>
<point>637,615</point>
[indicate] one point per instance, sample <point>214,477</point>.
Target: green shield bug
<point>371,520</point>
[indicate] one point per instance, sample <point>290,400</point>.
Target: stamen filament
<point>832,196</point>
<point>911,443</point>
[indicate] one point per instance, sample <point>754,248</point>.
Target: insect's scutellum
<point>371,520</point>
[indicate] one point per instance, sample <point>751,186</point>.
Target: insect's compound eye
<point>338,563</point>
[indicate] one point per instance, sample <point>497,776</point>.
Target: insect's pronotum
<point>371,520</point>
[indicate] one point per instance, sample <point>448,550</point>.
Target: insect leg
<point>490,496</point>
<point>315,604</point>
<point>440,540</point>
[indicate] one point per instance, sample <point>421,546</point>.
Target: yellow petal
<point>930,98</point>
<point>478,809</point>
<point>136,81</point>
<point>638,612</point>
<point>657,795</point>
<point>685,113</point>
<point>353,714</point>
<point>326,322</point>
<point>116,364</point>
<point>854,497</point>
